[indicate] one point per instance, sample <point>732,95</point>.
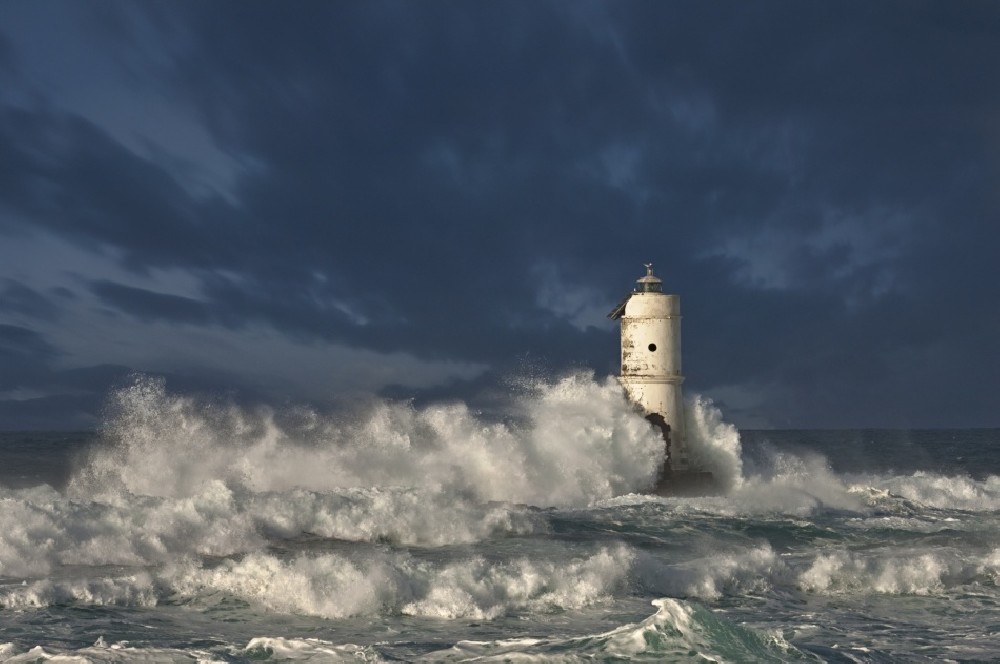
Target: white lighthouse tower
<point>651,362</point>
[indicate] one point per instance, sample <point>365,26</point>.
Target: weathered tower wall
<point>651,363</point>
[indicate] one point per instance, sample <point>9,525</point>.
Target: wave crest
<point>579,441</point>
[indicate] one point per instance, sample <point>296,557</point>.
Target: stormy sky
<point>301,202</point>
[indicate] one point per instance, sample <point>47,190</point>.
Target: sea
<point>192,529</point>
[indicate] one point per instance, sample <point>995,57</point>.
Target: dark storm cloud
<point>149,306</point>
<point>378,205</point>
<point>6,55</point>
<point>65,400</point>
<point>68,176</point>
<point>20,340</point>
<point>816,182</point>
<point>27,358</point>
<point>42,397</point>
<point>17,298</point>
<point>301,316</point>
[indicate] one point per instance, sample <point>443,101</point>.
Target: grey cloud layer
<point>815,182</point>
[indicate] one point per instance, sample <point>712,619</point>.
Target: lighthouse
<point>651,371</point>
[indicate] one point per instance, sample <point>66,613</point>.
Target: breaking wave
<point>175,477</point>
<point>443,523</point>
<point>333,585</point>
<point>677,631</point>
<point>577,441</point>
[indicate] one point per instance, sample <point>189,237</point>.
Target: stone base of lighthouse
<point>686,483</point>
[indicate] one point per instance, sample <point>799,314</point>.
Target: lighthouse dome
<point>649,283</point>
<point>648,298</point>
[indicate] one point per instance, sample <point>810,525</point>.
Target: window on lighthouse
<point>649,288</point>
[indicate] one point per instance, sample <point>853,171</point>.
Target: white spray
<point>578,442</point>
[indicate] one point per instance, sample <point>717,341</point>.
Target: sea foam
<point>332,585</point>
<point>577,441</point>
<point>177,476</point>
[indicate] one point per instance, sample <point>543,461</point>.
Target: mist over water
<point>439,533</point>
